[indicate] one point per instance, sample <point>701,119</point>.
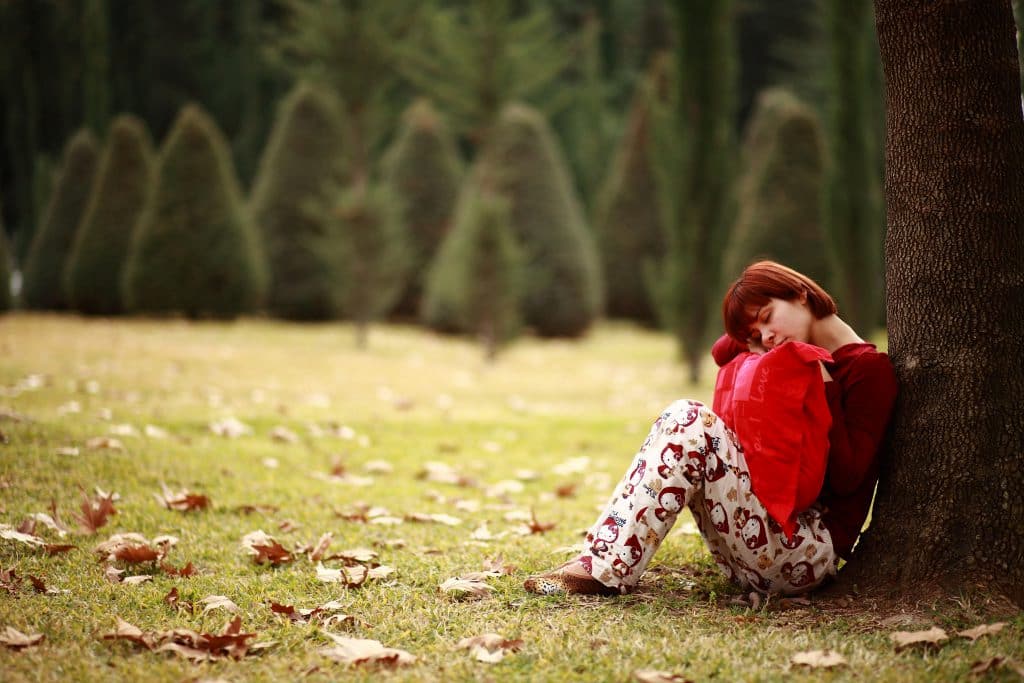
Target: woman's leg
<point>690,458</point>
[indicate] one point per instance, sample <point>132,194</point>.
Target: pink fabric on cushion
<point>776,405</point>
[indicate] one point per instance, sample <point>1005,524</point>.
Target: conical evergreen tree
<point>47,257</point>
<point>376,254</point>
<point>94,268</point>
<point>5,268</point>
<point>300,169</point>
<point>629,222</point>
<point>475,282</point>
<point>195,251</point>
<point>523,163</point>
<point>424,170</point>
<point>780,193</point>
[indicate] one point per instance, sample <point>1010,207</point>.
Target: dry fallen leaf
<point>444,474</point>
<point>230,427</point>
<point>904,639</point>
<point>489,647</point>
<point>265,548</point>
<point>136,580</point>
<point>283,435</point>
<point>12,534</point>
<point>171,570</point>
<point>361,555</point>
<point>318,551</point>
<point>350,577</point>
<point>183,500</point>
<point>97,443</point>
<point>423,517</point>
<point>95,511</point>
<point>364,651</point>
<point>198,647</point>
<point>653,676</point>
<point>466,588</point>
<point>213,602</point>
<point>16,640</point>
<point>983,630</point>
<point>537,527</point>
<point>818,659</point>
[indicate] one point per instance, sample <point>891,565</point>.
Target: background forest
<point>489,168</point>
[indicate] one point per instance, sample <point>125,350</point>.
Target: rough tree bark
<point>949,512</point>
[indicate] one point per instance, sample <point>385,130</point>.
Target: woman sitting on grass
<point>761,530</point>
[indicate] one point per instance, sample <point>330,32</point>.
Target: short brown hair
<point>766,280</point>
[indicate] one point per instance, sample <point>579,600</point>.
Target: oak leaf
<point>183,500</point>
<point>466,588</point>
<point>904,639</point>
<point>365,651</point>
<point>95,511</point>
<point>818,659</point>
<point>16,640</point>
<point>489,647</point>
<point>983,630</point>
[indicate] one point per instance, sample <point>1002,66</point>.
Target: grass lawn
<point>355,443</point>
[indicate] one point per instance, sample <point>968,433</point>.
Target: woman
<point>692,458</point>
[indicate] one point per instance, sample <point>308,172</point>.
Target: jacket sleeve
<point>860,414</point>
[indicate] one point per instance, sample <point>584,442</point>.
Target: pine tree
<point>696,161</point>
<point>301,169</point>
<point>5,269</point>
<point>475,59</point>
<point>47,257</point>
<point>478,274</point>
<point>96,262</point>
<point>780,192</point>
<point>375,250</point>
<point>195,251</point>
<point>522,162</point>
<point>424,170</point>
<point>854,215</point>
<point>628,221</point>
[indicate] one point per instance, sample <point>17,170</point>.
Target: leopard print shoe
<point>560,583</point>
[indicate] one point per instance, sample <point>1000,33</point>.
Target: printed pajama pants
<point>691,459</point>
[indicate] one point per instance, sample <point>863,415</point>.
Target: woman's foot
<point>571,577</point>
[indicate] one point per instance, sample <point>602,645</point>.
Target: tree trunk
<point>949,512</point>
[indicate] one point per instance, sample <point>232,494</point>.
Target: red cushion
<point>775,403</point>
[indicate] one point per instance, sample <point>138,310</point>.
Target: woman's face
<point>782,320</point>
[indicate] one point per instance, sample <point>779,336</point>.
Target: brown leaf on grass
<point>364,651</point>
<point>136,580</point>
<point>56,548</point>
<point>213,602</point>
<point>112,574</point>
<point>498,566</point>
<point>426,518</point>
<point>983,630</point>
<point>184,572</point>
<point>288,525</point>
<point>444,474</point>
<point>472,589</point>
<point>16,640</point>
<point>266,549</point>
<point>109,443</point>
<point>95,511</point>
<point>489,647</point>
<point>350,577</point>
<point>40,586</point>
<point>932,637</point>
<point>537,527</point>
<point>129,632</point>
<point>172,597</point>
<point>360,555</point>
<point>183,500</point>
<point>231,642</point>
<point>567,490</point>
<point>282,434</point>
<point>262,509</point>
<point>12,534</point>
<point>818,659</point>
<point>326,613</point>
<point>10,581</point>
<point>653,676</point>
<point>135,554</point>
<point>317,552</point>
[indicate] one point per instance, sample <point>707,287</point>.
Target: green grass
<point>410,399</point>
